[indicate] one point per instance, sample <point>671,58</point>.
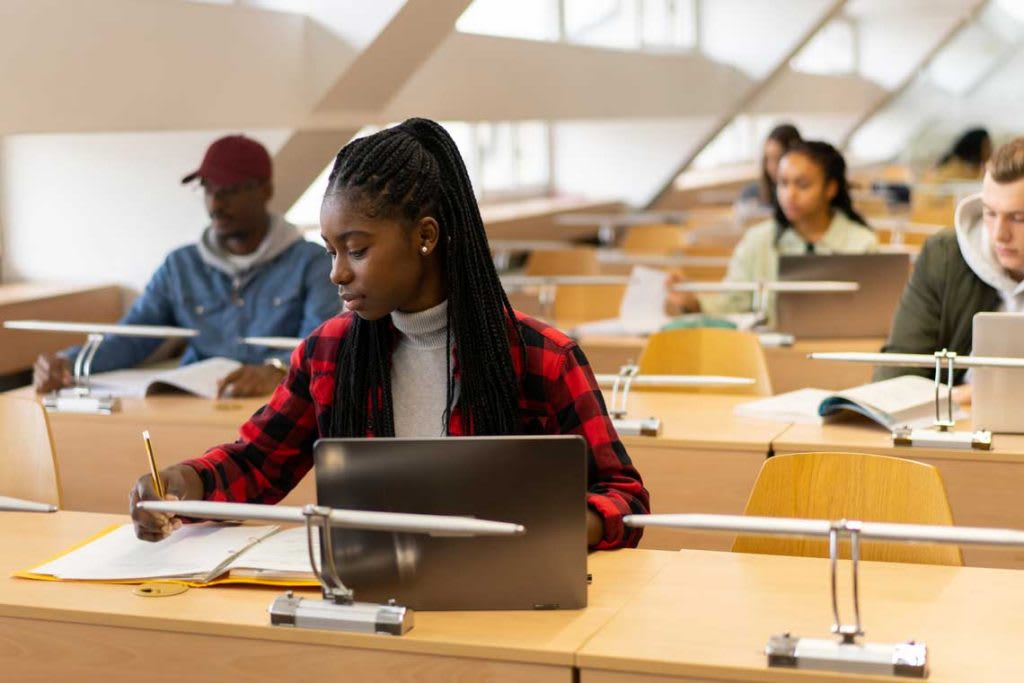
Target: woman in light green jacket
<point>814,214</point>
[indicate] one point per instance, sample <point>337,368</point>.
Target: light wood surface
<point>574,261</point>
<point>47,301</point>
<point>654,239</point>
<point>101,456</point>
<point>705,460</point>
<point>707,617</point>
<point>859,486</point>
<point>28,469</point>
<point>789,368</point>
<point>708,351</point>
<point>575,304</point>
<point>984,487</point>
<point>77,631</point>
<point>536,219</point>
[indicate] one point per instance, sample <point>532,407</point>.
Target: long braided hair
<point>404,173</point>
<point>831,162</point>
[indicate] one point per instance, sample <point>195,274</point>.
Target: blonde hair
<point>1007,162</point>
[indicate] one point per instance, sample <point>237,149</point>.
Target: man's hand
<point>677,303</point>
<point>181,482</point>
<point>50,373</point>
<point>249,380</point>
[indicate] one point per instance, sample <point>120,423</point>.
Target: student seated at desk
<point>250,275</point>
<point>429,345</point>
<point>761,195</point>
<point>813,215</point>
<point>977,266</point>
<point>966,159</point>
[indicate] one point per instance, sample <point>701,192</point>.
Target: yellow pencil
<point>157,484</point>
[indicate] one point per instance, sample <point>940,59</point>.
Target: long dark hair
<point>968,147</point>
<point>404,173</point>
<point>786,135</point>
<point>832,163</point>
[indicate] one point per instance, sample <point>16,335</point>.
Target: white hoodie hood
<point>977,252</point>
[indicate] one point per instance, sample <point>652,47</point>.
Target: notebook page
<point>908,399</point>
<point>643,305</point>
<point>285,553</point>
<point>197,378</point>
<point>800,406</point>
<point>190,552</point>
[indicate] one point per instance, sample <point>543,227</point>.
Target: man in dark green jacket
<point>977,266</point>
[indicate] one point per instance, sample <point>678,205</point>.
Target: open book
<point>198,378</point>
<point>196,554</point>
<point>906,400</point>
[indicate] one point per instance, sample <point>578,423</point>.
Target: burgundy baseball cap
<point>232,160</point>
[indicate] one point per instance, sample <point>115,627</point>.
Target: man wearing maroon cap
<point>250,275</point>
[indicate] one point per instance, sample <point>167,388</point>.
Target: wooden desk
<point>49,302</point>
<point>706,460</point>
<point>76,631</point>
<point>984,487</point>
<point>707,617</point>
<point>788,366</point>
<point>101,456</point>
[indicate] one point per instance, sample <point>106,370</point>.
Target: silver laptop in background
<point>868,312</point>
<point>997,402</point>
<point>536,481</point>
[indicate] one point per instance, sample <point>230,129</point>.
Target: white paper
<point>192,552</point>
<point>285,553</point>
<point>643,305</point>
<point>907,399</point>
<point>800,406</point>
<point>198,378</point>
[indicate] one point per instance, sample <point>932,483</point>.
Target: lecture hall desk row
<point>705,460</point>
<point>668,617</point>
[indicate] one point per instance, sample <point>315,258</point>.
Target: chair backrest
<point>28,468</point>
<point>859,486</point>
<point>708,351</point>
<point>654,239</point>
<point>576,304</point>
<point>575,261</point>
<point>927,207</point>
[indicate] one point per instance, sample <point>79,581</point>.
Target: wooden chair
<point>576,304</point>
<point>575,261</point>
<point>857,486</point>
<point>937,209</point>
<point>654,239</point>
<point>28,468</point>
<point>708,351</point>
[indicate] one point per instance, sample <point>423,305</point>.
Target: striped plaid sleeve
<point>614,486</point>
<point>275,446</point>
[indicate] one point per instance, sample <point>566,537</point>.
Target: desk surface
<point>707,616</point>
<point>548,637</point>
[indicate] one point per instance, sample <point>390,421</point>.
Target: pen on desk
<point>153,470</point>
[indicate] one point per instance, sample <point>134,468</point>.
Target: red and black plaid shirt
<point>558,395</point>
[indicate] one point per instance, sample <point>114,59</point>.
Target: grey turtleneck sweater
<point>418,365</point>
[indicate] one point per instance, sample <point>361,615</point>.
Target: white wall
<point>100,208</point>
<point>621,159</point>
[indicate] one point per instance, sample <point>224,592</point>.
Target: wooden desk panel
<point>31,301</point>
<point>706,460</point>
<point>76,631</point>
<point>707,617</point>
<point>984,487</point>
<point>101,456</point>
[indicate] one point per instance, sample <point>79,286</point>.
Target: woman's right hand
<point>181,482</point>
<point>677,303</point>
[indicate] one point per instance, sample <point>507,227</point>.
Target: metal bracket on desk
<point>943,435</point>
<point>79,398</point>
<point>338,609</point>
<point>620,407</point>
<point>909,659</point>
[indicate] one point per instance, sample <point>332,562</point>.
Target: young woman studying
<point>813,214</point>
<point>428,346</point>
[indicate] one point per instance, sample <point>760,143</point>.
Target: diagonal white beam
<point>749,97</point>
<point>889,97</point>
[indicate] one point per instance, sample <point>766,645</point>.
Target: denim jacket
<point>287,295</point>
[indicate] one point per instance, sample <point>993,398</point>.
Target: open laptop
<point>997,402</point>
<point>868,312</point>
<point>536,481</point>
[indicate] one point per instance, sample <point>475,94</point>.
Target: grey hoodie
<point>976,248</point>
<point>280,236</point>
